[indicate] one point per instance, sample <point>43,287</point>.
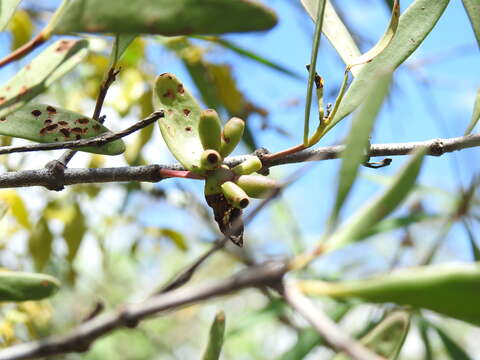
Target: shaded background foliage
<point>116,243</point>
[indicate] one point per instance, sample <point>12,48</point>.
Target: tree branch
<point>332,334</point>
<point>155,173</point>
<point>86,333</point>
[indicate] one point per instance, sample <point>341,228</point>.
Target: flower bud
<point>231,135</point>
<point>209,129</point>
<point>210,160</point>
<point>249,166</point>
<point>256,186</point>
<point>235,195</point>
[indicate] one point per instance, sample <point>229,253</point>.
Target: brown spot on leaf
<point>65,45</point>
<point>36,112</point>
<point>48,122</point>
<point>28,67</point>
<point>78,137</point>
<point>2,99</point>
<point>56,139</point>
<point>51,109</point>
<point>23,90</point>
<point>169,93</point>
<point>63,123</point>
<point>65,132</point>
<point>181,89</point>
<point>82,121</point>
<point>188,128</point>
<point>77,130</point>
<point>85,130</point>
<point>2,119</point>
<point>186,112</point>
<point>51,127</point>
<point>96,127</point>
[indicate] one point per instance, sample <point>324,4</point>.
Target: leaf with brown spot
<point>42,128</point>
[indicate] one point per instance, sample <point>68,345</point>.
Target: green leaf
<point>384,41</point>
<point>21,286</point>
<point>7,8</point>
<point>120,44</point>
<point>215,341</point>
<point>451,290</point>
<point>179,127</point>
<point>249,54</point>
<point>17,206</point>
<point>164,17</point>
<point>357,142</point>
<point>40,244</point>
<point>475,114</point>
<point>452,348</point>
<point>423,327</point>
<point>73,232</point>
<point>33,79</point>
<point>335,31</point>
<point>414,25</point>
<point>472,240</point>
<point>175,236</point>
<point>387,338</point>
<point>48,124</point>
<point>472,7</point>
<point>380,207</point>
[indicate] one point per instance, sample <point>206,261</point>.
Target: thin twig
<point>155,173</point>
<point>86,333</point>
<point>332,334</point>
<point>25,49</point>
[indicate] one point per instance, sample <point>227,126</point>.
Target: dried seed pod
<point>210,129</point>
<point>249,166</point>
<point>235,195</point>
<point>210,159</point>
<point>256,186</point>
<point>231,135</point>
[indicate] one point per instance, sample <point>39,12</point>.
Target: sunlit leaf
<point>120,45</point>
<point>473,10</point>
<point>215,340</point>
<point>386,339</point>
<point>33,79</point>
<point>47,124</point>
<point>74,231</point>
<point>175,236</point>
<point>357,142</point>
<point>17,206</point>
<point>40,244</point>
<point>164,17</point>
<point>415,24</point>
<point>475,114</point>
<point>21,28</point>
<point>380,207</point>
<point>179,127</point>
<point>21,286</point>
<point>454,350</point>
<point>451,290</point>
<point>335,31</point>
<point>7,8</point>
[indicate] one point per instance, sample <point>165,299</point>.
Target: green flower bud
<point>210,160</point>
<point>249,166</point>
<point>256,186</point>
<point>231,135</point>
<point>235,195</point>
<point>209,129</point>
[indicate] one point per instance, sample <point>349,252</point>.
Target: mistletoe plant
<point>199,143</point>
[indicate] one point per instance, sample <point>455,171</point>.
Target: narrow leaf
<point>454,350</point>
<point>472,240</point>
<point>48,124</point>
<point>17,207</point>
<point>33,79</point>
<point>472,7</point>
<point>335,31</point>
<point>414,26</point>
<point>73,232</point>
<point>7,8</point>
<point>423,327</point>
<point>179,127</point>
<point>386,339</point>
<point>357,142</point>
<point>164,17</point>
<point>451,290</point>
<point>215,340</point>
<point>21,286</point>
<point>381,206</point>
<point>475,114</point>
<point>384,40</point>
<point>40,244</point>
<point>120,44</point>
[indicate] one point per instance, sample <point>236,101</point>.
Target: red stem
<point>167,173</point>
<point>24,49</point>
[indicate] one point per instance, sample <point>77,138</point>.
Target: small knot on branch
<point>56,179</point>
<point>437,148</point>
<point>260,153</point>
